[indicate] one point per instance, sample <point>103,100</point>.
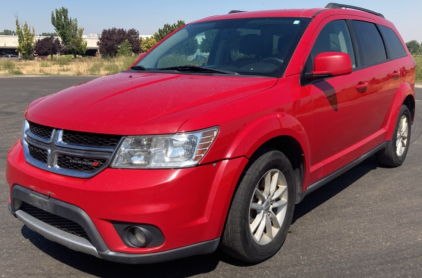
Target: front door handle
<point>362,86</point>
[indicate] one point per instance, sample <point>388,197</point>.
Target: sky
<point>147,16</point>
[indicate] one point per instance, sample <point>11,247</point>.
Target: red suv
<point>213,136</point>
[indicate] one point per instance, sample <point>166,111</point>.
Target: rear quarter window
<point>370,43</point>
<point>394,46</point>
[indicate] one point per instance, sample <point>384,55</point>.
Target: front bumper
<point>189,206</point>
<point>96,245</point>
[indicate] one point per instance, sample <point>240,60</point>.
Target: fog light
<point>138,237</point>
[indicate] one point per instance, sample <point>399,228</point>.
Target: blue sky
<point>147,16</point>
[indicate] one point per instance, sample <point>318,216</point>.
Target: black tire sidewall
<point>268,161</point>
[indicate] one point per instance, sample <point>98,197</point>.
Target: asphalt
<point>365,223</point>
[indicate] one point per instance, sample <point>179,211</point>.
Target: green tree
<point>167,29</point>
<point>414,47</point>
<point>77,43</point>
<point>26,38</point>
<point>125,48</point>
<point>7,32</point>
<point>147,43</point>
<point>68,31</point>
<point>48,34</point>
<point>62,24</point>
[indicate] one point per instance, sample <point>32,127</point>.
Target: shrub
<point>63,60</point>
<point>95,69</point>
<point>127,62</point>
<point>418,60</point>
<point>8,66</point>
<point>112,68</point>
<point>17,72</point>
<point>125,49</point>
<point>45,64</point>
<point>147,44</point>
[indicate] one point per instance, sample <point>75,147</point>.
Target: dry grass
<point>65,65</point>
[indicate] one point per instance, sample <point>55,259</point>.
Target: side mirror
<point>329,64</point>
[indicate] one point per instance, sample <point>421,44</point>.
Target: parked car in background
<point>213,136</point>
<point>10,57</point>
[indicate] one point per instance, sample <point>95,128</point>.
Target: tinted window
<point>370,42</point>
<point>334,37</point>
<point>394,45</point>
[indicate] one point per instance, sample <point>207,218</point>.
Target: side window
<point>370,42</point>
<point>394,45</point>
<point>334,37</point>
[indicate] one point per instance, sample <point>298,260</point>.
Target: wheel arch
<point>281,132</point>
<point>404,96</point>
<point>410,103</point>
<point>291,148</point>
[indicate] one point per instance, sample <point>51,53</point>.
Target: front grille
<point>38,154</point>
<point>80,164</point>
<point>90,139</point>
<point>70,153</point>
<point>41,131</point>
<point>56,221</point>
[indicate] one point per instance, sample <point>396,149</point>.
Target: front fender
<point>255,134</point>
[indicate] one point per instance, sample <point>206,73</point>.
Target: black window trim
<point>360,65</point>
<point>356,46</point>
<point>363,66</point>
<point>387,47</point>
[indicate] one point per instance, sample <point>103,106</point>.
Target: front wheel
<point>395,153</point>
<point>262,209</point>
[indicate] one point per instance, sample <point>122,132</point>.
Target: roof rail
<point>343,6</point>
<point>235,11</point>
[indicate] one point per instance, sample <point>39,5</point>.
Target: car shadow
<point>193,265</point>
<point>334,187</point>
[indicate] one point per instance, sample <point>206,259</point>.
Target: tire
<point>262,210</point>
<point>395,152</point>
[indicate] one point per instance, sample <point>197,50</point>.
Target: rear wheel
<point>262,209</point>
<point>396,151</point>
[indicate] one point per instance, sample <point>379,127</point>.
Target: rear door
<point>378,81</point>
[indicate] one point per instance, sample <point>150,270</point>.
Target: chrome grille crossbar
<point>75,160</point>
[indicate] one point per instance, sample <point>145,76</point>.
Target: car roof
<point>268,13</point>
<point>305,13</point>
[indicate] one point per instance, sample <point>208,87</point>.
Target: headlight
<point>164,151</point>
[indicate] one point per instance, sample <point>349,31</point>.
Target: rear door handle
<point>395,74</point>
<point>362,86</point>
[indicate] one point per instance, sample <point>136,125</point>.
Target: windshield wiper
<point>194,68</point>
<point>138,67</point>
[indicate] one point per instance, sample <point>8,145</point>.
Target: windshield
<point>247,46</point>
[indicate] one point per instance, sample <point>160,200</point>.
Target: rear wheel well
<point>410,103</point>
<point>293,151</point>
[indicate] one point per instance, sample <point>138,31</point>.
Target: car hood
<point>140,103</point>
